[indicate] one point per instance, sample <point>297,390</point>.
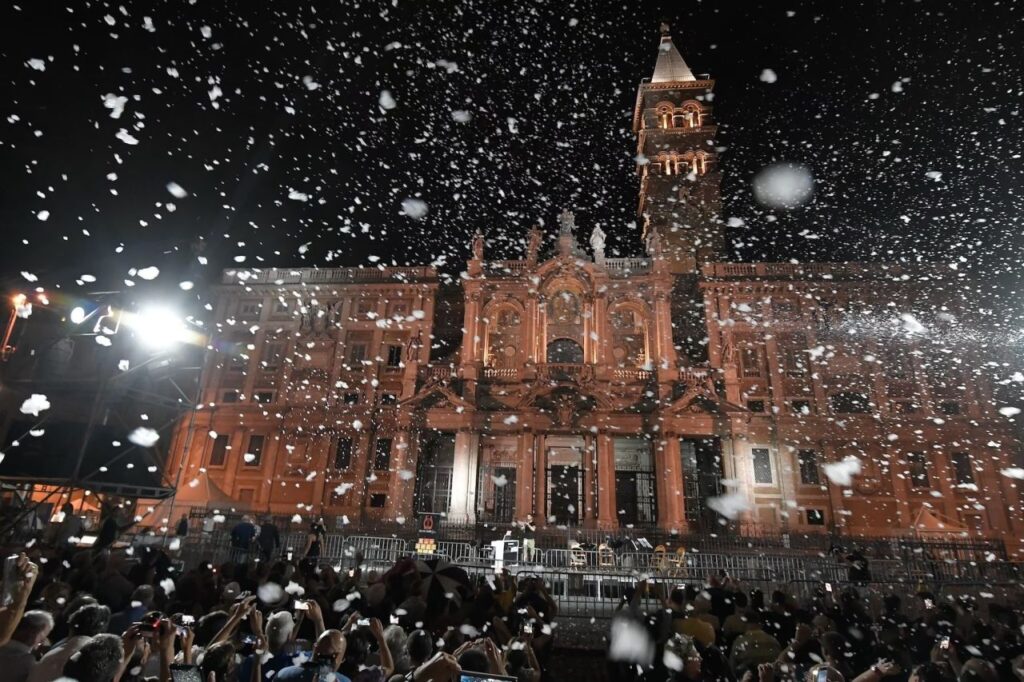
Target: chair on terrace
<point>678,563</point>
<point>577,557</point>
<point>605,556</point>
<point>660,562</point>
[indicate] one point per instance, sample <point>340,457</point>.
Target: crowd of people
<point>112,615</point>
<point>723,632</point>
<point>104,614</point>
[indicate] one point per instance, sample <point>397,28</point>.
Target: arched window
<point>628,336</point>
<point>565,351</point>
<point>503,337</point>
<point>691,114</point>
<point>564,320</point>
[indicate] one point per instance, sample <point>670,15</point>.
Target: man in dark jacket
<point>242,536</point>
<point>269,540</point>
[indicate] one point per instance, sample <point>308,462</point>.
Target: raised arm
<point>386,662</point>
<point>26,573</point>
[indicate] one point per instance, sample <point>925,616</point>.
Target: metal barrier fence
<point>740,538</point>
<point>694,565</point>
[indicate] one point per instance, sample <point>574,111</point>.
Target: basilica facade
<point>672,390</point>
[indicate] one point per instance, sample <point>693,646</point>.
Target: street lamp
<point>157,327</point>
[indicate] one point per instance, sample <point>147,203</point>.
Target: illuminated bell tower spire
<point>677,162</point>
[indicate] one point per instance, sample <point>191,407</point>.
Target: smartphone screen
<point>944,644</point>
<point>301,605</point>
<point>10,566</point>
<point>828,587</point>
<point>822,675</point>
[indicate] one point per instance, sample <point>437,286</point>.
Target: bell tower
<point>677,162</point>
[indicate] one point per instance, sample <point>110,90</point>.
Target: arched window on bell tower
<point>691,115</point>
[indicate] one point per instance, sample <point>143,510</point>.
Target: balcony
<point>624,267</point>
<point>560,371</point>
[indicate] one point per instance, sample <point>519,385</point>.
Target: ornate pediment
<point>437,392</point>
<point>700,396</point>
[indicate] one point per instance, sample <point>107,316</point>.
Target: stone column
<point>588,480</point>
<point>400,487</point>
<point>540,483</point>
<point>607,512</point>
<point>462,506</point>
<point>668,467</point>
<point>776,374</point>
<point>524,476</point>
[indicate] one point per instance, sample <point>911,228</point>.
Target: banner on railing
<point>426,536</point>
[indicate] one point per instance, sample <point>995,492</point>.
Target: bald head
<point>330,644</point>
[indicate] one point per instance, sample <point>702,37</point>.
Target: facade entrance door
<point>564,499</point>
<point>504,496</point>
<point>702,473</point>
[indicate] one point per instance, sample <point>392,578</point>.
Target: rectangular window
<point>801,406</point>
<point>755,405</point>
<point>377,500</point>
<point>808,460</point>
<point>850,403</point>
<point>364,308</point>
<point>918,465</point>
<point>356,353</point>
<point>382,454</point>
<point>219,452</point>
<point>389,399</point>
<point>949,408</point>
<point>762,466</point>
<point>263,397</point>
<point>815,517</point>
<point>962,469</point>
<point>904,407</point>
<point>229,397</point>
<point>249,308</point>
<point>273,354</point>
<point>750,359</point>
<point>253,453</point>
<point>394,356</point>
<point>343,453</point>
<point>351,398</point>
<point>238,363</point>
<point>794,355</point>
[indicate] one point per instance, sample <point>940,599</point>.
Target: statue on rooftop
<point>567,222</point>
<point>478,246</point>
<point>597,237</point>
<point>533,245</point>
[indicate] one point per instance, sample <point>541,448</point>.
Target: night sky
<point>271,117</point>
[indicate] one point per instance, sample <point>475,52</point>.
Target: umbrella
<point>442,583</point>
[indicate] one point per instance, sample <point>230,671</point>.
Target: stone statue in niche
<point>654,243</point>
<point>412,348</point>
